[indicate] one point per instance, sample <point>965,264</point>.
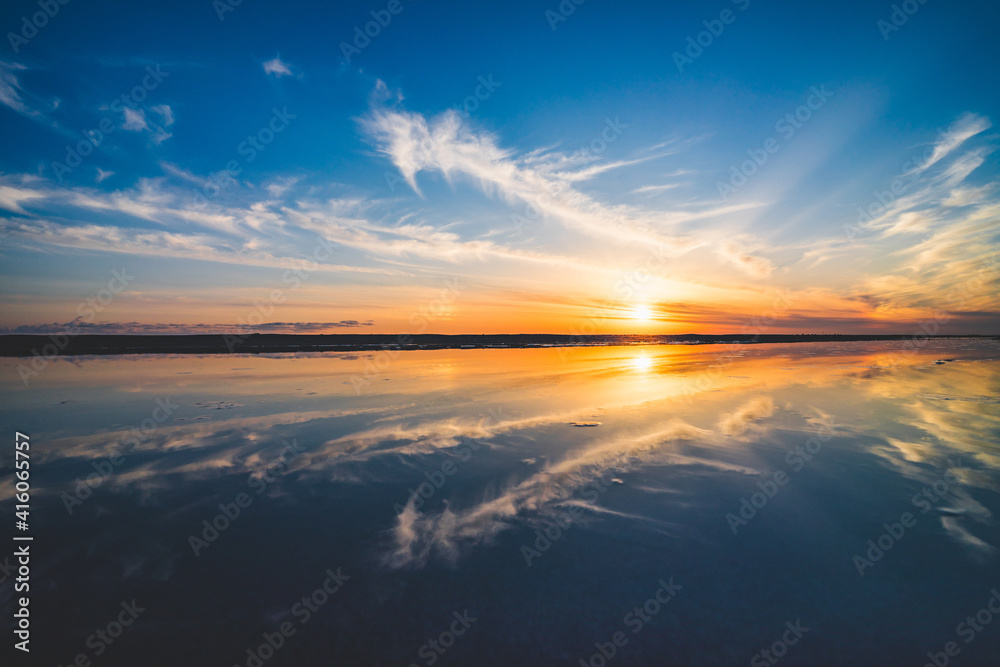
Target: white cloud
<point>277,67</point>
<point>280,186</point>
<point>744,418</point>
<point>160,135</point>
<point>655,189</point>
<point>10,87</point>
<point>166,112</point>
<point>11,197</point>
<point>135,120</point>
<point>540,180</point>
<point>734,252</point>
<point>966,127</point>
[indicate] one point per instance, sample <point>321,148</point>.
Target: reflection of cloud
<point>743,418</point>
<point>192,450</point>
<point>423,437</point>
<point>917,408</point>
<point>964,537</point>
<point>914,451</point>
<point>417,536</point>
<point>947,406</point>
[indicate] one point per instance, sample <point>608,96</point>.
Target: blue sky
<point>589,186</point>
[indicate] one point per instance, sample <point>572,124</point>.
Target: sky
<point>499,167</point>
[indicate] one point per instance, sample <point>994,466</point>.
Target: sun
<point>642,313</point>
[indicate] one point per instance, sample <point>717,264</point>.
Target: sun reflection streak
<point>642,363</point>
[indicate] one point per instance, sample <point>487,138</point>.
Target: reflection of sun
<point>642,363</point>
<point>641,313</point>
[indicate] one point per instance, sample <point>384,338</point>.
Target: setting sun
<point>642,313</point>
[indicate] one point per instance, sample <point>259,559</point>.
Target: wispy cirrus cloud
<point>136,120</point>
<point>165,112</point>
<point>545,180</point>
<point>735,252</point>
<point>10,87</point>
<point>963,129</point>
<point>449,146</point>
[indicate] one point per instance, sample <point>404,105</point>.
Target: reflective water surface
<point>830,504</point>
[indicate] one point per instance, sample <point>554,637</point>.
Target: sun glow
<point>642,363</point>
<point>642,313</point>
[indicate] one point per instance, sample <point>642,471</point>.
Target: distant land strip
<point>16,345</point>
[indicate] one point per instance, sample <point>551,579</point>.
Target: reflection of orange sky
<point>568,377</point>
<point>708,406</point>
<point>564,415</point>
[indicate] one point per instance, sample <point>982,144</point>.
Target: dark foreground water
<point>809,504</point>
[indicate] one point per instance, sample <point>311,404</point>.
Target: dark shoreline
<point>17,345</point>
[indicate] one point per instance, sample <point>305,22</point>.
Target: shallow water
<point>544,493</point>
